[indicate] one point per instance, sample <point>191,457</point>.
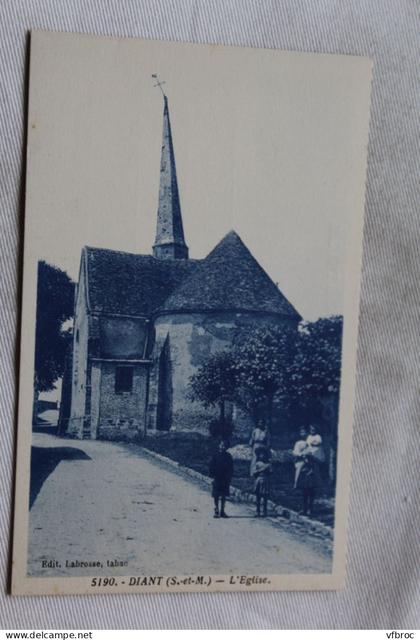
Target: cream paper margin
<point>358,138</point>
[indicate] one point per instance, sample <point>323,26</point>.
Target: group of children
<point>308,454</point>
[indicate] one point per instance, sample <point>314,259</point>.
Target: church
<point>143,324</point>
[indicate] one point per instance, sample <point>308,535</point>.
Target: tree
<point>54,305</point>
<point>214,384</point>
<point>317,364</point>
<point>263,359</point>
<point>316,374</point>
<point>301,367</point>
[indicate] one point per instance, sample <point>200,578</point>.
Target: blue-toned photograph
<point>190,279</point>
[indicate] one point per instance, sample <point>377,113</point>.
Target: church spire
<point>170,242</point>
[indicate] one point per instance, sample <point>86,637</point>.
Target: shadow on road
<point>43,462</point>
<point>44,426</point>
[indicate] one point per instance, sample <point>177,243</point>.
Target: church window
<point>124,379</point>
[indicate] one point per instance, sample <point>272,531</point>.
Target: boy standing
<point>221,470</point>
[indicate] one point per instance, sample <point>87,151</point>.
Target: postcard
<point>192,258</point>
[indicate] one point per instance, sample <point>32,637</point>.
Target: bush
<point>222,429</point>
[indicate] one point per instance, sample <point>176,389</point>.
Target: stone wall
<point>118,415</point>
<point>192,338</point>
<point>95,389</point>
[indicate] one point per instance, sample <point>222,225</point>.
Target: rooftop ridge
<point>139,255</point>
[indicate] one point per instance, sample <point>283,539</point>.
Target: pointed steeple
<point>169,242</point>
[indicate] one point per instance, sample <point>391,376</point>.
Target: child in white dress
<point>314,445</point>
<point>298,453</point>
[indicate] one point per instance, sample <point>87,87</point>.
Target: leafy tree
<point>315,380</point>
<point>300,367</point>
<point>264,360</point>
<point>214,384</point>
<point>317,364</point>
<point>54,305</point>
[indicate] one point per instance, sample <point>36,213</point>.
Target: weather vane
<point>159,83</point>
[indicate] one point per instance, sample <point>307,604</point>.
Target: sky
<point>271,144</point>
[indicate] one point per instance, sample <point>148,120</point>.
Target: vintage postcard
<point>193,234</point>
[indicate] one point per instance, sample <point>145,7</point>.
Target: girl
<point>262,471</point>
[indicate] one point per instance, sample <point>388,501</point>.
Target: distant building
<point>144,323</point>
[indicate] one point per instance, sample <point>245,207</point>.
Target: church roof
<point>229,278</point>
<point>131,284</point>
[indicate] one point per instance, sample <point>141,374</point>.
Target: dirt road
<point>104,502</point>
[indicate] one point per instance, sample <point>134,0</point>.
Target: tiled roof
<point>229,279</point>
<point>131,284</point>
